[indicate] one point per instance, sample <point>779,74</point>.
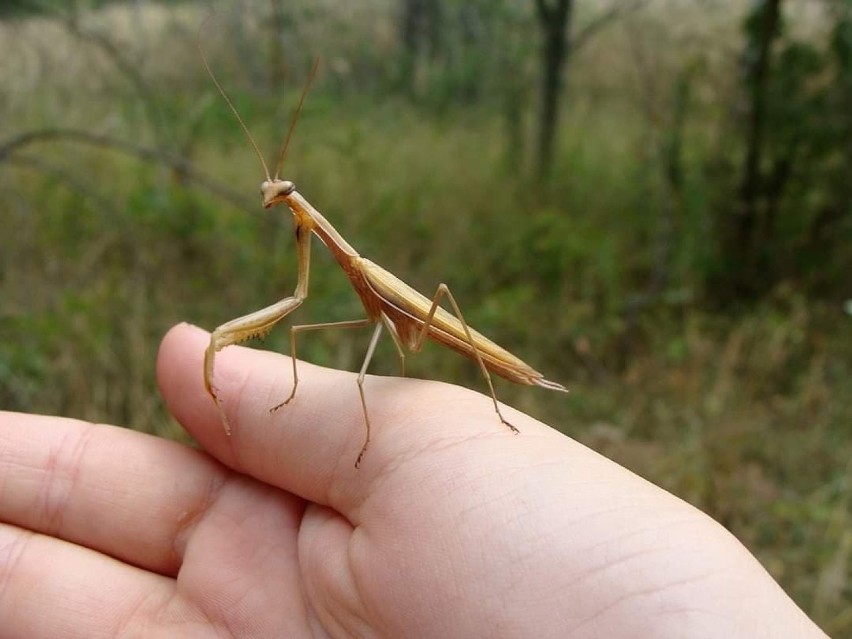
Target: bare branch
<point>13,144</point>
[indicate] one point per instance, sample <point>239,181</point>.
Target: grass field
<point>746,413</point>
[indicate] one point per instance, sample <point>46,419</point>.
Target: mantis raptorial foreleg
<point>260,322</point>
<point>441,291</point>
<point>239,330</point>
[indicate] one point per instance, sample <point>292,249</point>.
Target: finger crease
<point>10,556</point>
<point>189,519</point>
<point>63,468</point>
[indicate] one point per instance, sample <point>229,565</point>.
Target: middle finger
<point>129,495</point>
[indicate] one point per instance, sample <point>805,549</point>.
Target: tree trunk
<point>555,21</point>
<point>419,33</point>
<point>744,242</point>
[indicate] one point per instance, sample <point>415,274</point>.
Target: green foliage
<point>792,216</point>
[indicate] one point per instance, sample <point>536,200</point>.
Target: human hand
<point>452,527</point>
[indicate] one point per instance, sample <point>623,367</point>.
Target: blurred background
<point>648,200</point>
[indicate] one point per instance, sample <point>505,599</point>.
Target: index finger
<point>309,446</point>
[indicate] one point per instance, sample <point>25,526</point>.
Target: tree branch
<point>12,145</point>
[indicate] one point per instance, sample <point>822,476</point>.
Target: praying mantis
<point>390,304</point>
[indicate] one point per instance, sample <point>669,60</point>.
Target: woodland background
<point>650,200</point>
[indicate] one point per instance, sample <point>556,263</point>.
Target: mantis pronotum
<point>390,303</point>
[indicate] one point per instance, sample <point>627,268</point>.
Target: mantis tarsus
<point>390,303</point>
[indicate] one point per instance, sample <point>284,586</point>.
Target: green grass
<point>745,414</point>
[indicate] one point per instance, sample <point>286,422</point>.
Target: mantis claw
<point>511,426</point>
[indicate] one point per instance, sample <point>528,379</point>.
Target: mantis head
<point>275,191</point>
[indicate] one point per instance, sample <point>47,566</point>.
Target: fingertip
<point>180,374</point>
<point>179,337</point>
<point>181,348</point>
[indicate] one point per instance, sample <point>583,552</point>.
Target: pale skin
<point>450,528</point>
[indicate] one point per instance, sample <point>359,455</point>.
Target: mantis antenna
<point>295,117</point>
<point>228,100</point>
<point>239,118</point>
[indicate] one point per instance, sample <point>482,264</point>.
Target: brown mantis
<point>391,304</point>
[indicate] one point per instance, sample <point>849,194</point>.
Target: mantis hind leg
<point>397,342</point>
<point>361,375</point>
<point>443,290</point>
